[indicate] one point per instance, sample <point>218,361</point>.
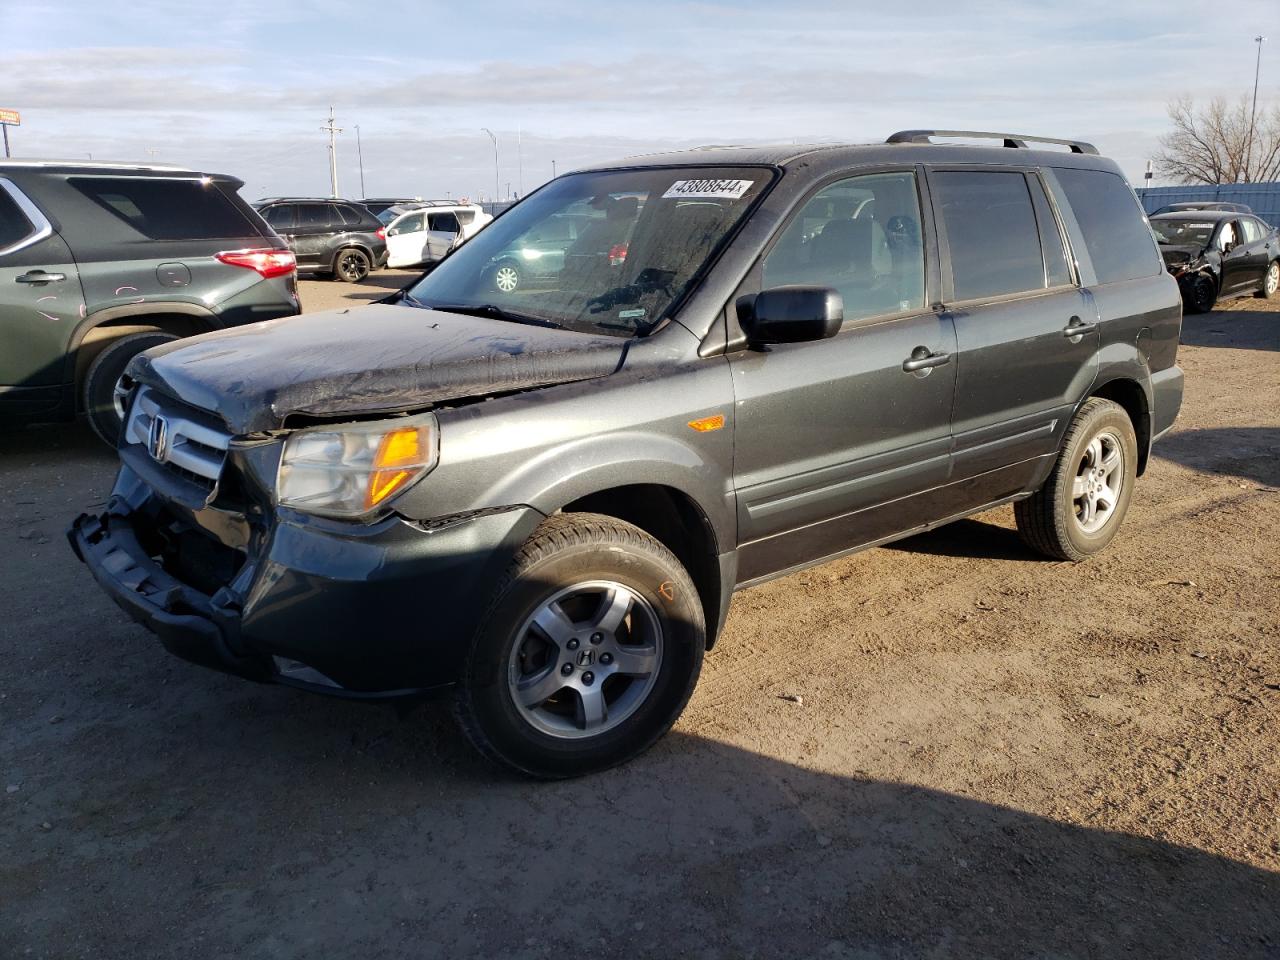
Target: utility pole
<point>333,154</point>
<point>553,169</point>
<point>519,162</point>
<point>360,154</point>
<point>497,189</point>
<point>1257,67</point>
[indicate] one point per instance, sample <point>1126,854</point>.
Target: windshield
<point>1188,233</point>
<point>607,252</point>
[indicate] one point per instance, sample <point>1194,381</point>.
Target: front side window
<point>1227,236</point>
<point>609,252</point>
<point>990,226</point>
<point>412,224</point>
<point>14,225</point>
<point>860,236</point>
<point>1111,219</point>
<point>164,209</point>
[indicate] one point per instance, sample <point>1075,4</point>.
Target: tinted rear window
<point>351,215</point>
<point>991,233</point>
<point>14,225</point>
<point>1110,218</point>
<point>168,209</point>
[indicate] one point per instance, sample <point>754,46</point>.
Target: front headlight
<point>348,471</point>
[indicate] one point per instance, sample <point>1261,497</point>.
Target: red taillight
<point>382,233</point>
<point>617,254</point>
<point>269,263</point>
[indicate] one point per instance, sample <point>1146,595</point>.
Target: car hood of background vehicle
<point>374,359</point>
<point>1174,253</point>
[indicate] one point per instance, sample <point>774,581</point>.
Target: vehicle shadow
<point>1250,452</point>
<point>1235,326</point>
<point>327,830</point>
<point>971,538</point>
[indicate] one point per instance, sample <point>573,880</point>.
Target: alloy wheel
<point>1099,479</point>
<point>585,660</point>
<point>506,279</point>
<point>353,266</point>
<point>1272,281</point>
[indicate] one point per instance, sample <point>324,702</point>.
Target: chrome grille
<point>174,437</point>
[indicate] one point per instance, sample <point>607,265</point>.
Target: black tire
<point>1049,520</point>
<point>351,265</point>
<point>564,552</point>
<point>1201,294</point>
<point>1270,281</point>
<point>98,390</point>
<point>506,277</point>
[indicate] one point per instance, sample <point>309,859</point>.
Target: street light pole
<point>1257,67</point>
<point>360,154</point>
<point>553,169</point>
<point>496,186</point>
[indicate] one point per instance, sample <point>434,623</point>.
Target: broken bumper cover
<point>363,612</point>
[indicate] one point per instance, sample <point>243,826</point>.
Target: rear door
<point>1255,251</point>
<point>1027,335</point>
<point>313,235</point>
<point>40,305</point>
<point>836,441</point>
<point>442,233</point>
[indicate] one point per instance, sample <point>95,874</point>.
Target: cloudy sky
<point>243,87</point>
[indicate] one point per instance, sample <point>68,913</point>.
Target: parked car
<point>1215,253</point>
<point>589,229</point>
<point>1204,205</point>
<point>99,261</point>
<point>333,238</point>
<point>420,237</point>
<point>376,205</point>
<point>541,502</point>
<point>470,216</point>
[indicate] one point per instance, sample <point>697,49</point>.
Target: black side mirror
<point>794,314</point>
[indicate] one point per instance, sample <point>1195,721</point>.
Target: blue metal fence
<point>1264,198</point>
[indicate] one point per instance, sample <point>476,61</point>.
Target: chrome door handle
<point>39,276</point>
<point>1076,328</point>
<point>922,359</point>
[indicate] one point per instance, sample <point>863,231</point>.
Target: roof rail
<point>1013,140</point>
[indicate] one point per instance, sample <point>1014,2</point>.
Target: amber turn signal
<point>706,424</point>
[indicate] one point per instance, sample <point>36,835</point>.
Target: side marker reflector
<point>706,424</point>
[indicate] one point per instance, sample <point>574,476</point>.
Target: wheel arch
<point>1129,394</point>
<point>353,245</point>
<point>673,518</point>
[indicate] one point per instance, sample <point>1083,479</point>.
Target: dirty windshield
<point>1190,232</point>
<point>599,253</point>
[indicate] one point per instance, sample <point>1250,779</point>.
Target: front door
<point>406,241</point>
<point>836,441</point>
<point>317,224</point>
<point>40,305</point>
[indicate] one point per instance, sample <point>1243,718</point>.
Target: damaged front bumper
<point>364,611</point>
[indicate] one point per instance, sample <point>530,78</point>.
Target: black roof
<point>824,156</point>
<point>93,168</point>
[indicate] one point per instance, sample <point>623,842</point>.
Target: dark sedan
<point>1218,253</point>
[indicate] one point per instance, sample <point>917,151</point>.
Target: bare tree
<point>1219,144</point>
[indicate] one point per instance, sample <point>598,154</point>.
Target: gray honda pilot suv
<point>750,361</point>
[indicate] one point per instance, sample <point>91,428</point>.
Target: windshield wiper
<point>489,310</point>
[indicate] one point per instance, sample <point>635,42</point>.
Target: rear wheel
<point>588,652</point>
<point>1270,281</point>
<point>507,277</point>
<point>103,401</point>
<point>351,265</point>
<point>1079,509</point>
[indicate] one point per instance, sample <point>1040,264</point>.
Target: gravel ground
<point>945,748</point>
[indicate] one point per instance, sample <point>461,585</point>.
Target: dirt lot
<point>987,755</point>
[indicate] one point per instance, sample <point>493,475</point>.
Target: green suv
<point>100,261</point>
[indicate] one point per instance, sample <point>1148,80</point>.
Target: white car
<point>424,234</point>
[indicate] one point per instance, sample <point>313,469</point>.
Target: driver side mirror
<point>793,314</point>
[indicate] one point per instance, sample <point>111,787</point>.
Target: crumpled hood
<point>374,359</point>
<point>1179,254</point>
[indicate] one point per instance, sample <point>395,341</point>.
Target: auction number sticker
<point>707,189</point>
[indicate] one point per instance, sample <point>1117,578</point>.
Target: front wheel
<point>589,650</point>
<point>351,265</point>
<point>1270,281</point>
<point>507,277</point>
<point>1201,294</point>
<point>1079,509</point>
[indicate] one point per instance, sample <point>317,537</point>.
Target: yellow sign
<point>12,117</point>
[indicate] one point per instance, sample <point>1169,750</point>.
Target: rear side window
<point>1252,230</point>
<point>168,209</point>
<point>1110,218</point>
<point>281,215</point>
<point>315,215</point>
<point>445,222</point>
<point>990,226</point>
<point>351,215</point>
<point>14,225</point>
